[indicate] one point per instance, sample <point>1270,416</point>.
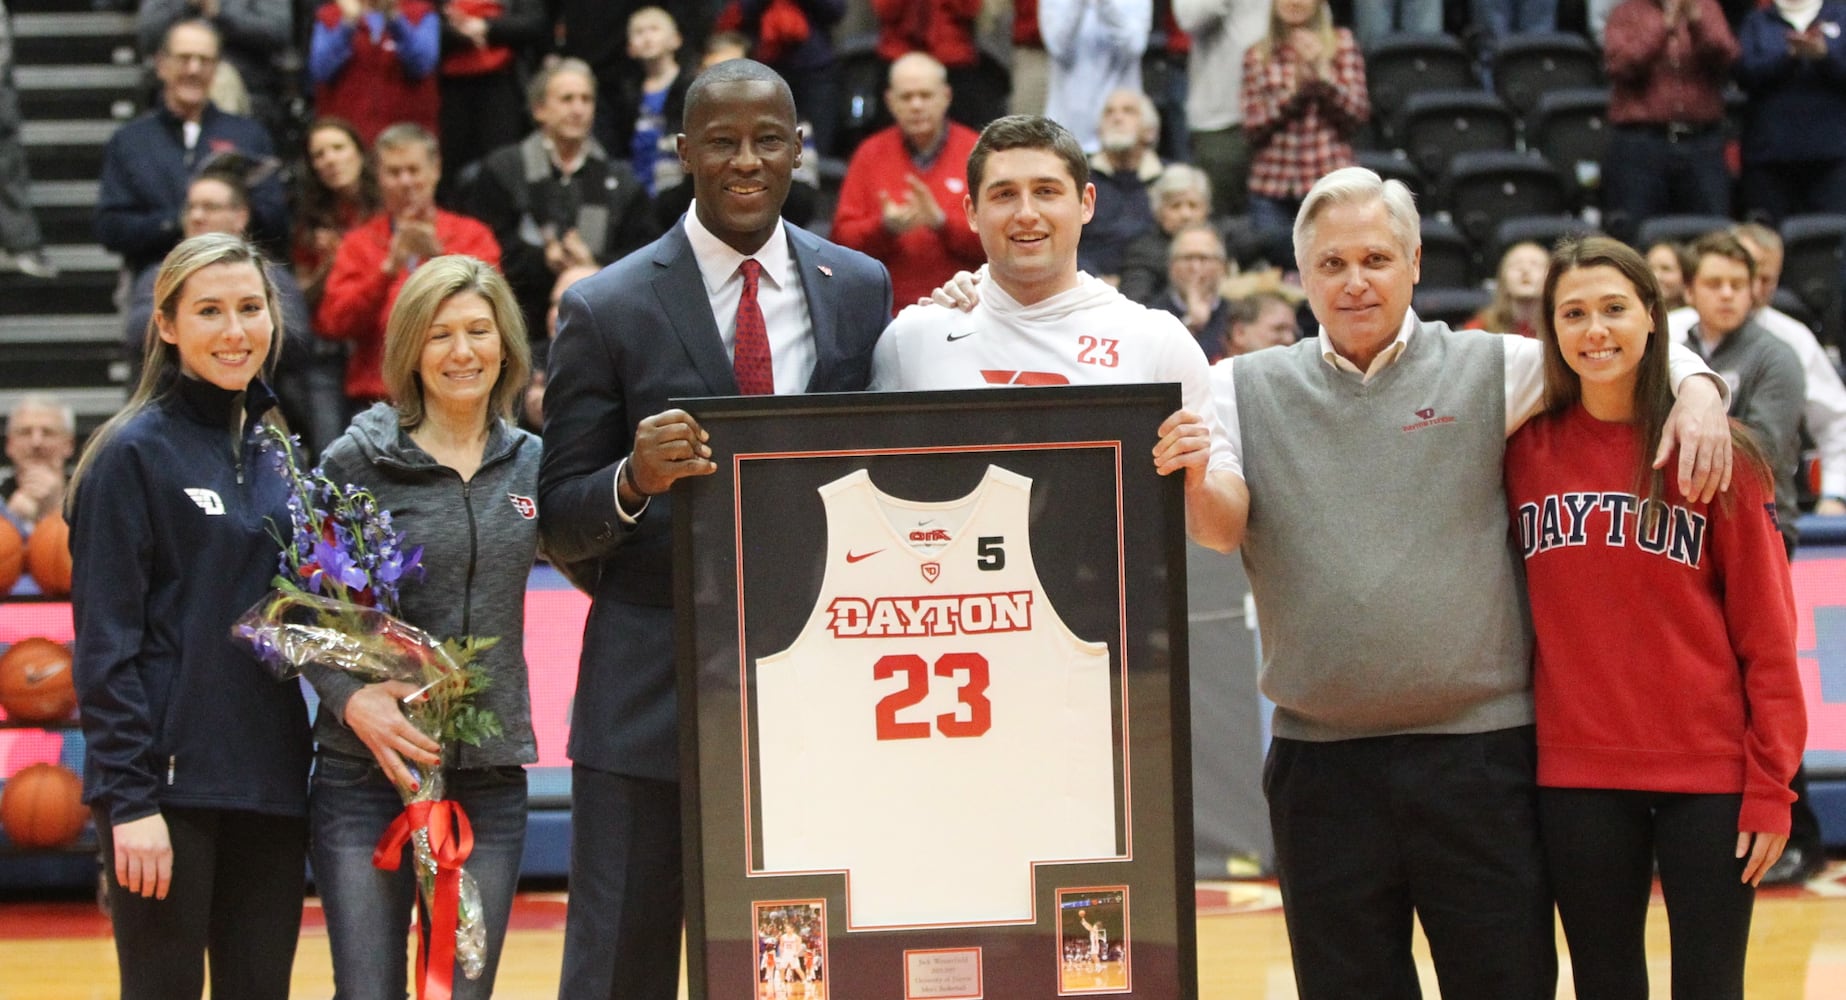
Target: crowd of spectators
<point>550,130</point>
<point>545,143</point>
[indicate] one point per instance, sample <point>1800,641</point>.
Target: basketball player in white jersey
<point>789,950</point>
<point>1096,931</point>
<point>1041,321</point>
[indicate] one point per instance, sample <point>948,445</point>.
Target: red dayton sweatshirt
<point>1666,658</point>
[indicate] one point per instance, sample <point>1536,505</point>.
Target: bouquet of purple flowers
<point>335,604</point>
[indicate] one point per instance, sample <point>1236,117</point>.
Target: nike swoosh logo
<point>853,557</point>
<point>43,674</point>
<point>953,337</point>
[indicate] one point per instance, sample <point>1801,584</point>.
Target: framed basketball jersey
<point>932,685</point>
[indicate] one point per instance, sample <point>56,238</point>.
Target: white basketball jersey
<point>956,729</point>
<point>1087,335</point>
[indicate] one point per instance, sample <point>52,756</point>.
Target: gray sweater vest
<point>1385,583</point>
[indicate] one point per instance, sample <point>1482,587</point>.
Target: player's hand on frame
<point>669,446</point>
<point>143,856</point>
<point>1184,445</point>
<point>960,292</point>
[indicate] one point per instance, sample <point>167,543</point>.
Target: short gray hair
<point>1349,185</point>
<point>541,81</point>
<point>1209,230</point>
<point>1150,114</point>
<point>67,416</point>
<point>1178,179</point>
<point>404,134</point>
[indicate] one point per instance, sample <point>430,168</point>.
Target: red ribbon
<point>451,840</point>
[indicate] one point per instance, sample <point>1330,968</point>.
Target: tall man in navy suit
<point>666,321</point>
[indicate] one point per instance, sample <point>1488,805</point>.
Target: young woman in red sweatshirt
<point>1670,715</point>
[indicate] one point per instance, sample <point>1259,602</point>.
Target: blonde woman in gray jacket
<point>461,480</point>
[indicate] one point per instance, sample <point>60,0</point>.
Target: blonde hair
<point>160,360</point>
<point>431,285</point>
<point>1501,314</point>
<point>1321,24</point>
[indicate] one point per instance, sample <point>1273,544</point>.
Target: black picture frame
<point>1107,537</point>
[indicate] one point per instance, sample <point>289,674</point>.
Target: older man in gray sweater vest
<point>1396,641</point>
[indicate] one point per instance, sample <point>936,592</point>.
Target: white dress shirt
<point>1525,377</point>
<point>778,294</point>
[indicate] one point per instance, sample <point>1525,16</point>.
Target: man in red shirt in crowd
<point>375,259</point>
<point>901,200</point>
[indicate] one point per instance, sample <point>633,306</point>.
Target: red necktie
<point>750,349</point>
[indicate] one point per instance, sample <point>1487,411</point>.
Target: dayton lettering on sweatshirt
<point>1563,519</point>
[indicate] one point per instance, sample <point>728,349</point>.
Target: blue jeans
<point>1775,191</point>
<point>367,908</point>
<point>1374,19</point>
<point>1645,173</point>
<point>1514,17</point>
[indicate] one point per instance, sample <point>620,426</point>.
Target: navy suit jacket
<point>629,338</point>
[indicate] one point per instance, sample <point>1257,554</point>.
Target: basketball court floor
<point>61,950</point>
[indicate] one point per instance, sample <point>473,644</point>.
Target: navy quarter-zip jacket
<point>173,536</point>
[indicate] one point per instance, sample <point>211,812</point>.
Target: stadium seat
<point>1544,230</point>
<point>1394,165</point>
<point>1677,229</point>
<point>1399,65</point>
<point>1786,301</point>
<point>1571,129</point>
<point>1434,125</point>
<point>861,76</point>
<point>1525,66</point>
<point>1481,188</point>
<point>1448,258</point>
<point>1813,266</point>
<point>1454,306</point>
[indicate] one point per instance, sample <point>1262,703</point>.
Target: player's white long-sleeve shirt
<point>1089,335</point>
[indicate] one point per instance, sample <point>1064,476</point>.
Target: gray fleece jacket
<point>479,539</point>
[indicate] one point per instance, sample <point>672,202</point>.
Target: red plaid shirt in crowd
<point>1298,132</point>
<point>1659,76</point>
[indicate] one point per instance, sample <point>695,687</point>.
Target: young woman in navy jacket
<point>197,758</point>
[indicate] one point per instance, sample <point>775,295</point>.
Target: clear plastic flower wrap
<point>333,606</point>
<point>289,630</point>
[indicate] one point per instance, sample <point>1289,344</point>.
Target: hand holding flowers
<point>334,608</point>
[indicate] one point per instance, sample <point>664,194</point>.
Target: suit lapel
<point>816,273</point>
<point>683,299</point>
